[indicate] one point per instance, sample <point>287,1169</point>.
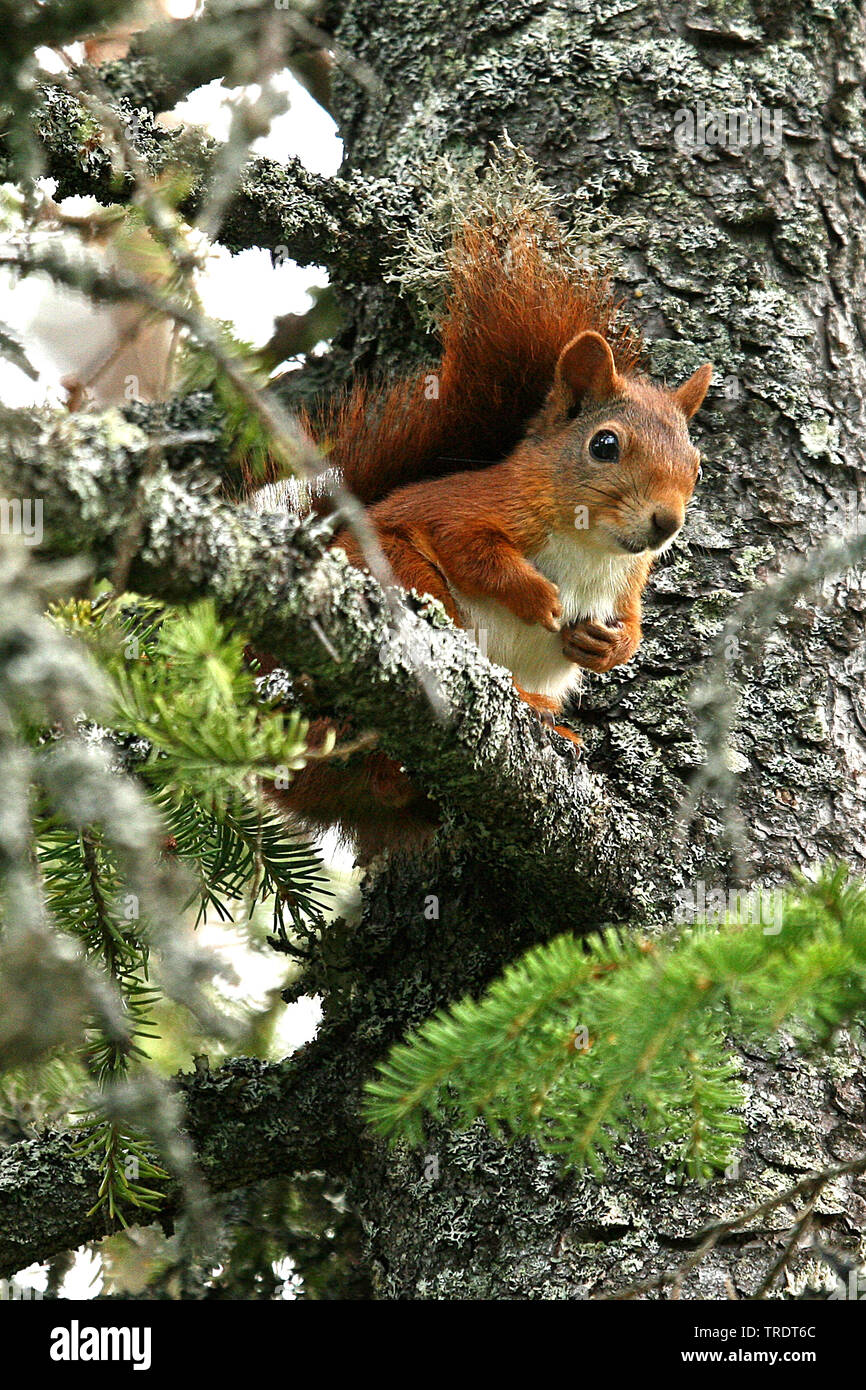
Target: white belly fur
<point>590,584</point>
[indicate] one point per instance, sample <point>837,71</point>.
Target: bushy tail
<point>511,306</point>
<point>513,301</point>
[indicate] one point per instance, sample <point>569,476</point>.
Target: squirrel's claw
<point>549,718</point>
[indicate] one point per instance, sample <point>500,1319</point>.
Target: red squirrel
<point>527,482</point>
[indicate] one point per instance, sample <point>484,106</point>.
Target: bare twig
<point>809,1187</point>
<point>318,38</point>
<point>797,1232</point>
<point>716,697</point>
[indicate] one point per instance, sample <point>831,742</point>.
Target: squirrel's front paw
<point>539,603</point>
<point>596,646</point>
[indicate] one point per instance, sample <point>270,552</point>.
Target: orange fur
<point>486,492</point>
<point>509,311</point>
<point>368,798</point>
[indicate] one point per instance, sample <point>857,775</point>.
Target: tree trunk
<point>747,254</point>
<point>752,256</point>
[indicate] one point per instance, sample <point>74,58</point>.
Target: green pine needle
<point>585,1040</point>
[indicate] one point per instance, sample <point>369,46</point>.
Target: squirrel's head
<point>624,463</point>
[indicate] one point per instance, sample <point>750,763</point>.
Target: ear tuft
<point>689,397</point>
<point>586,370</point>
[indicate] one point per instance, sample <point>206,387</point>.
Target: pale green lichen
<point>819,436</point>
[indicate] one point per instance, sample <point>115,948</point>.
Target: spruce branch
<point>529,801</point>
<point>204,741</point>
<point>583,1040</point>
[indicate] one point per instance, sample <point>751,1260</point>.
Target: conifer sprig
<point>186,716</point>
<point>583,1040</point>
<point>85,894</point>
<point>185,692</point>
<point>189,694</point>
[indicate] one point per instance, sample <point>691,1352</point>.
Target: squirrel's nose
<point>664,523</point>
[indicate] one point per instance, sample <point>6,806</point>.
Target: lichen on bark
<point>747,256</point>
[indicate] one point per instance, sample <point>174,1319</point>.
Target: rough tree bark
<point>754,260</point>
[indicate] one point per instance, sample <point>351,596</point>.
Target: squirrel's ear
<point>586,369</point>
<point>689,397</point>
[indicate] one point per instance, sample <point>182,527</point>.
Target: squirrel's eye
<point>604,446</point>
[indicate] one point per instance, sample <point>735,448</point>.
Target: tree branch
<point>352,225</point>
<point>249,1120</point>
<point>536,815</point>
